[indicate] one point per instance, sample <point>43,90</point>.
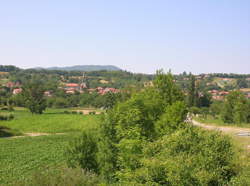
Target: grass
<point>243,161</point>
<point>52,121</point>
<point>218,122</point>
<point>21,157</point>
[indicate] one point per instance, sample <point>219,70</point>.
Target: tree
<point>235,108</point>
<point>241,83</point>
<point>164,83</point>
<point>204,100</point>
<point>82,152</point>
<point>215,108</point>
<point>192,92</point>
<point>33,96</point>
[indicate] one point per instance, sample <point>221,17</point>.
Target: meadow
<point>23,156</point>
<point>218,122</point>
<point>52,121</point>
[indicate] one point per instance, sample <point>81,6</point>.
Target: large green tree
<point>192,92</point>
<point>235,108</point>
<point>33,96</point>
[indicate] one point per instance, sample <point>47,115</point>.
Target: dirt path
<point>241,133</point>
<point>34,134</point>
<point>225,129</point>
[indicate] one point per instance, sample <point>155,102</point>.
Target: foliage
<point>82,152</point>
<point>172,119</point>
<point>7,132</point>
<point>192,92</point>
<point>188,156</point>
<point>144,141</point>
<point>33,97</point>
<point>194,110</point>
<point>215,108</point>
<point>235,108</point>
<point>164,83</point>
<point>7,117</point>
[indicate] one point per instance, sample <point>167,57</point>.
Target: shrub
<point>7,117</point>
<point>11,116</point>
<point>172,119</point>
<point>188,156</point>
<point>92,113</point>
<point>66,112</point>
<point>82,152</point>
<point>2,117</point>
<point>74,112</point>
<point>10,108</point>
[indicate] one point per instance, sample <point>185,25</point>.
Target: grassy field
<point>213,121</point>
<point>21,157</point>
<point>52,121</point>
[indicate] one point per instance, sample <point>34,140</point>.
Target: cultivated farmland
<point>22,157</point>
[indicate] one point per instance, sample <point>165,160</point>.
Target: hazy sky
<point>136,35</point>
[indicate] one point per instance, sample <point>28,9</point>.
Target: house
<point>47,94</point>
<point>91,90</point>
<point>223,93</point>
<point>248,95</point>
<point>17,91</point>
<point>74,87</point>
<point>70,91</point>
<point>218,98</point>
<point>106,90</point>
<point>12,84</point>
<point>213,92</point>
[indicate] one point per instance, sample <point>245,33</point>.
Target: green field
<point>21,157</point>
<point>218,122</point>
<point>52,121</point>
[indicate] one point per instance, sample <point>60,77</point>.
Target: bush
<point>92,113</point>
<point>66,112</point>
<point>7,117</point>
<point>188,156</point>
<point>7,132</point>
<point>74,112</point>
<point>11,116</point>
<point>82,152</point>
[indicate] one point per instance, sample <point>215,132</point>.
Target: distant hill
<point>86,68</point>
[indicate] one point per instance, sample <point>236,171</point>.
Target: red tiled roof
<point>72,85</point>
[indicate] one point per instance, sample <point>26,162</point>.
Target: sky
<point>198,36</point>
